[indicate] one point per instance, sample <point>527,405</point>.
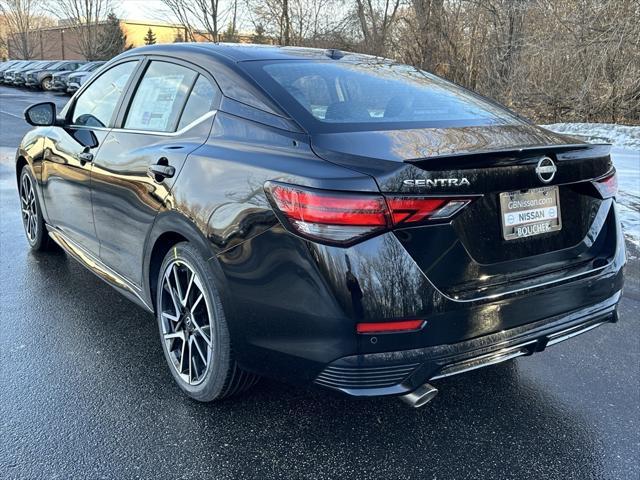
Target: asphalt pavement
<point>85,392</point>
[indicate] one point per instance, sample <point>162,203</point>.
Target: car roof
<point>242,52</point>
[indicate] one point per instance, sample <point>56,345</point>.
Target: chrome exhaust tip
<point>420,396</point>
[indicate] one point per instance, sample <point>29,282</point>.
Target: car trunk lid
<point>469,255</point>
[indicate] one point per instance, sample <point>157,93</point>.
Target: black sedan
<point>320,216</point>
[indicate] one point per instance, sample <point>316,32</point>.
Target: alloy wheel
<point>47,83</point>
<point>29,208</point>
<point>186,322</point>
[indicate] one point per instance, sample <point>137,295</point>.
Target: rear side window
<point>95,106</point>
<point>160,96</point>
<point>202,99</point>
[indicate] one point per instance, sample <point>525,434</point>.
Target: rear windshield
<point>340,93</point>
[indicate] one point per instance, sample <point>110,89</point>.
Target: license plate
<point>530,212</point>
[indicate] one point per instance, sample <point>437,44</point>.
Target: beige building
<point>61,42</point>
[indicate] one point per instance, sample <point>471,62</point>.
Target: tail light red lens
<point>344,218</point>
<point>608,186</point>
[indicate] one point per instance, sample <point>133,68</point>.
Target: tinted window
<point>201,100</point>
<point>94,66</point>
<point>56,65</point>
<point>160,97</point>
<point>366,93</point>
<point>97,103</point>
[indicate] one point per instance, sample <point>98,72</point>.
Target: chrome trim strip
<point>95,265</point>
<point>184,129</point>
<point>519,350</point>
<point>492,358</point>
<point>572,332</point>
<point>197,121</point>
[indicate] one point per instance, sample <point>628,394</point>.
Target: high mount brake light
<point>607,186</point>
<point>343,218</point>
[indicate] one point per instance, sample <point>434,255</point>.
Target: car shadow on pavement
<point>103,350</point>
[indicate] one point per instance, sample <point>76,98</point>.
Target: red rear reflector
<point>387,327</point>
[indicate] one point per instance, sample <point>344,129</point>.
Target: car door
<point>167,115</point>
<point>70,149</point>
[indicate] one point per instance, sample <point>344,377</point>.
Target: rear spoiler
<point>507,157</point>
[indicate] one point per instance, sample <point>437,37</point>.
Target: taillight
<point>343,218</point>
<point>608,186</point>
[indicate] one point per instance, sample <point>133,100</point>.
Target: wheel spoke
<point>173,318</point>
<point>195,304</point>
<point>186,295</point>
<point>204,359</point>
<point>177,280</point>
<point>170,336</point>
<point>181,367</point>
<point>201,332</point>
<point>170,289</point>
<point>190,361</point>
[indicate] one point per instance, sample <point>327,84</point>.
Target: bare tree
<point>314,23</point>
<point>86,18</point>
<point>200,18</point>
<point>274,16</point>
<point>23,18</point>
<point>376,19</point>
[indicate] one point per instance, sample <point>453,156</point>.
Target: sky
<point>156,11</point>
<point>150,10</point>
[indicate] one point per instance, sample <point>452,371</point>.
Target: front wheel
<point>193,328</point>
<point>47,84</point>
<point>32,220</point>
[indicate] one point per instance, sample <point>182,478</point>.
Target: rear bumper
<point>395,373</point>
<point>293,308</point>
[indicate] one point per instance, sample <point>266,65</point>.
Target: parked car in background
<point>19,78</point>
<point>42,78</point>
<point>6,65</point>
<point>60,79</point>
<point>76,80</point>
<point>9,73</point>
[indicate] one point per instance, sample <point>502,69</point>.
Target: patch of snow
<point>627,163</point>
<point>618,135</point>
<point>625,154</point>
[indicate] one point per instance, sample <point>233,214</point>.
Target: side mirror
<point>41,114</point>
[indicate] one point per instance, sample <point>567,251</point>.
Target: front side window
<point>159,98</point>
<point>96,105</point>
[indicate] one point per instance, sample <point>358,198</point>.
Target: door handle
<point>85,157</point>
<point>160,172</point>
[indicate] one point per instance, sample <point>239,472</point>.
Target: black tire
<point>34,227</point>
<point>221,377</point>
<point>47,84</point>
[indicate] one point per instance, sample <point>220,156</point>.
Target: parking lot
<point>86,393</point>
